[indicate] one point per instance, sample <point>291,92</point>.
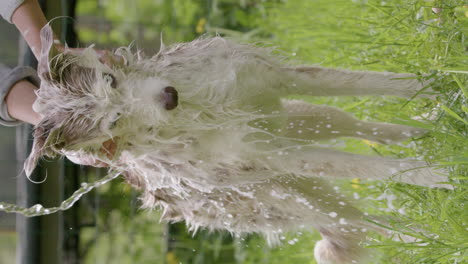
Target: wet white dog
<point>205,135</point>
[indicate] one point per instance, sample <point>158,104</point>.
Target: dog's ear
<point>46,141</point>
<point>50,58</point>
<point>48,50</point>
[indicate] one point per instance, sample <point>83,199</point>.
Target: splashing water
<point>38,209</point>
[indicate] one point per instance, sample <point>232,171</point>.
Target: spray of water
<point>38,209</point>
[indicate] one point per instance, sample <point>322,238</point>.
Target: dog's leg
<point>320,81</point>
<point>320,122</point>
<point>334,164</point>
<point>341,225</point>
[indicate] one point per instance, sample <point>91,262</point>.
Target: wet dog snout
<point>170,98</point>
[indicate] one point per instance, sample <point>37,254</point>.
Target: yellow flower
<point>462,10</point>
<point>355,183</point>
<point>201,25</point>
<point>369,143</point>
<point>171,258</point>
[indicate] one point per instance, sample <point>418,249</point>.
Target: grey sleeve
<point>8,77</point>
<point>7,7</point>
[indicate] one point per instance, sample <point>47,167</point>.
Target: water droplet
<point>38,208</point>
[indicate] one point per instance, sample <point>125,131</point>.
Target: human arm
<point>20,100</point>
<point>17,95</point>
<point>19,84</point>
<point>29,19</point>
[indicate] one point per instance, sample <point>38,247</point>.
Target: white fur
<point>233,155</point>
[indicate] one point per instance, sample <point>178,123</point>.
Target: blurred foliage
<point>115,231</point>
<point>8,240</point>
<point>401,36</point>
<point>118,22</point>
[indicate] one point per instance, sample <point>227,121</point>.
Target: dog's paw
<point>338,252</point>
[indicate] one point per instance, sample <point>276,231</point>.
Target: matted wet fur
<point>221,149</point>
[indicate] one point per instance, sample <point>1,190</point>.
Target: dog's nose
<point>170,98</point>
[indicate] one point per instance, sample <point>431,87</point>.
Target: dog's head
<point>84,100</point>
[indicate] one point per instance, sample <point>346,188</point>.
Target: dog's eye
<point>110,79</point>
<point>113,123</point>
